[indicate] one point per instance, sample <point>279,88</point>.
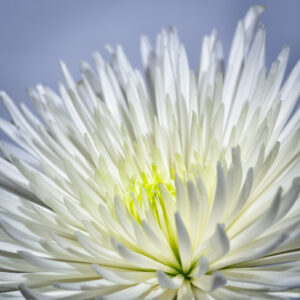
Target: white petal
<point>184,243</point>
<point>169,283</point>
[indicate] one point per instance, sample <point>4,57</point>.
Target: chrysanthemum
<point>173,186</point>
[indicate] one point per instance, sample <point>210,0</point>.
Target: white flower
<point>180,186</point>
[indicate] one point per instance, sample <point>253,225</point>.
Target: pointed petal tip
<point>262,28</point>
<point>96,268</point>
<point>257,9</point>
<point>218,281</point>
<point>286,47</point>
<point>202,267</point>
<point>168,283</point>
<point>23,253</point>
<point>296,181</point>
<point>114,242</point>
<point>61,63</point>
<point>2,94</point>
<point>109,48</point>
<point>177,216</point>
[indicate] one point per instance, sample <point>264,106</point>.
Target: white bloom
<point>180,186</point>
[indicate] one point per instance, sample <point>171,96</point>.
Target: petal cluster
<point>165,185</point>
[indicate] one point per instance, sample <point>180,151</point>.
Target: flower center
<point>147,186</point>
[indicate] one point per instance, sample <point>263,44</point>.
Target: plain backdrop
<point>35,34</point>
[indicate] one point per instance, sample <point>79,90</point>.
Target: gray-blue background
<point>35,34</point>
